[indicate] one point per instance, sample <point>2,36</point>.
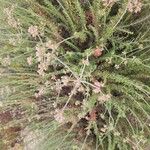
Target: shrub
<point>79,70</point>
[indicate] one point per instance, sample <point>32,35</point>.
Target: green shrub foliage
<point>79,70</point>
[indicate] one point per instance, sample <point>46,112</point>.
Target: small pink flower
<point>40,53</point>
<point>97,52</point>
<point>97,86</point>
<point>130,7</point>
<point>134,6</point>
<point>138,7</point>
<point>33,31</point>
<point>42,67</point>
<point>77,103</point>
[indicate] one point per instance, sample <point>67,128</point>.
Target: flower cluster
<point>58,86</point>
<point>64,81</point>
<point>11,20</point>
<point>40,54</point>
<point>33,31</point>
<point>134,6</point>
<point>117,66</point>
<point>98,52</point>
<point>97,86</point>
<point>44,58</point>
<point>29,60</point>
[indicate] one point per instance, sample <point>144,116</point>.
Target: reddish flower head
<point>97,52</point>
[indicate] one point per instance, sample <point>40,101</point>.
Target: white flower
<point>65,80</point>
<point>33,31</point>
<point>77,103</point>
<point>117,66</point>
<point>55,104</point>
<point>40,52</point>
<point>58,85</point>
<point>85,62</point>
<point>41,68</point>
<point>124,52</point>
<point>29,61</point>
<point>42,59</point>
<point>81,89</point>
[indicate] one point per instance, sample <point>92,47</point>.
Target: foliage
<point>84,67</point>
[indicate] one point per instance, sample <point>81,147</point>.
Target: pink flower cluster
<point>134,6</point>
<point>97,86</point>
<point>41,58</point>
<point>33,31</point>
<point>29,60</point>
<point>44,58</point>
